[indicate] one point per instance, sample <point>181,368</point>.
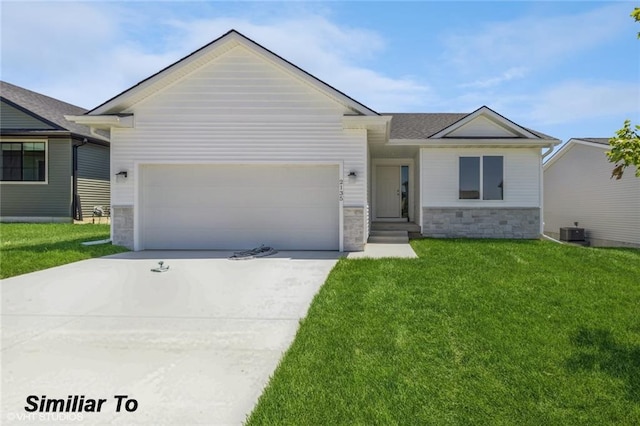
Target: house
<point>233,146</point>
<point>53,170</point>
<point>578,188</point>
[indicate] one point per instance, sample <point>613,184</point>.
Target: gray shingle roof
<point>420,125</point>
<point>424,125</point>
<point>603,141</point>
<point>45,107</point>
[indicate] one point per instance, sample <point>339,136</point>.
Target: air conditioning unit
<point>572,234</point>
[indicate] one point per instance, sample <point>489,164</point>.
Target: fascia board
<point>452,143</point>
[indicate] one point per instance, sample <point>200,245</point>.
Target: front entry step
<point>389,237</point>
<point>395,226</point>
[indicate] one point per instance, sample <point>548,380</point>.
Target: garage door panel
<point>235,207</point>
<point>211,196</point>
<point>237,218</point>
<point>238,239</point>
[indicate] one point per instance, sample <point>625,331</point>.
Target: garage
<point>203,207</point>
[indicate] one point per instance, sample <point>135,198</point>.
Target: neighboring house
<point>233,146</point>
<point>578,188</point>
<point>52,170</point>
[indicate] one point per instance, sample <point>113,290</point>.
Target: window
<point>481,178</point>
<point>22,161</point>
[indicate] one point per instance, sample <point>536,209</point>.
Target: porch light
<point>122,173</point>
<point>352,176</point>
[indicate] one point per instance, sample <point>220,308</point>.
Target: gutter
<point>551,147</point>
<point>76,208</point>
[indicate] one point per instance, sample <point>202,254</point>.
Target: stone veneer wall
<point>481,222</point>
<point>122,217</point>
<point>353,228</point>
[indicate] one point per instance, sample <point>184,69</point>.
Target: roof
<point>425,125</point>
<point>193,60</point>
<point>420,125</point>
<point>44,107</point>
<point>603,141</point>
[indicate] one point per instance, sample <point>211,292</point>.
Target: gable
<point>570,145</point>
<point>482,127</point>
<point>12,118</point>
<point>201,57</point>
<point>237,83</point>
<point>485,123</point>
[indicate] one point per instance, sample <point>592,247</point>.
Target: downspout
<point>75,205</point>
<point>544,155</point>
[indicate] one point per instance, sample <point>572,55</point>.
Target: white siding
<point>239,109</point>
<point>439,186</point>
<point>578,188</point>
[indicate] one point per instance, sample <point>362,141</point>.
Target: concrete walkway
<point>381,250</point>
<point>194,345</point>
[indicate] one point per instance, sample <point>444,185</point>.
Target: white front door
<point>388,200</point>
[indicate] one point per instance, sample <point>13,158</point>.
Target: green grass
<point>33,247</point>
<point>472,332</point>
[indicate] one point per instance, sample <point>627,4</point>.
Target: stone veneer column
<point>122,217</point>
<point>481,222</point>
<point>353,228</point>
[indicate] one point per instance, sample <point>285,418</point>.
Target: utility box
<point>572,234</point>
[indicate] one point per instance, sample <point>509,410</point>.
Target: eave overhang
<point>369,122</point>
<point>103,122</point>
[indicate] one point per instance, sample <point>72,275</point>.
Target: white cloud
<point>508,75</point>
<point>532,41</point>
<point>85,53</point>
<point>574,101</point>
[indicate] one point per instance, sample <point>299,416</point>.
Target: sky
<point>565,68</point>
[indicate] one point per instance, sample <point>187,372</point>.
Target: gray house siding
<point>46,201</point>
<point>93,177</point>
<point>14,118</point>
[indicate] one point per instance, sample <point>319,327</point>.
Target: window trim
<point>481,157</point>
<point>46,163</point>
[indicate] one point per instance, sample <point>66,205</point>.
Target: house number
<point>340,190</point>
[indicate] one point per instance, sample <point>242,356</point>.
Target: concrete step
<point>389,237</point>
<point>395,226</point>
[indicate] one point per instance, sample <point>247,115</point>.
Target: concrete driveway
<point>196,344</point>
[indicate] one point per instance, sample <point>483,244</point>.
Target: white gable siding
<point>578,188</point>
<point>239,109</point>
<point>439,186</point>
<point>481,127</point>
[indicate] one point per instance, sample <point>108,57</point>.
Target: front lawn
<point>472,332</point>
<point>28,247</point>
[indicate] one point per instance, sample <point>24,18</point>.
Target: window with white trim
<point>23,162</point>
<point>481,177</point>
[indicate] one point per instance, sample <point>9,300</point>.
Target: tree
<point>625,145</point>
<point>625,150</point>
